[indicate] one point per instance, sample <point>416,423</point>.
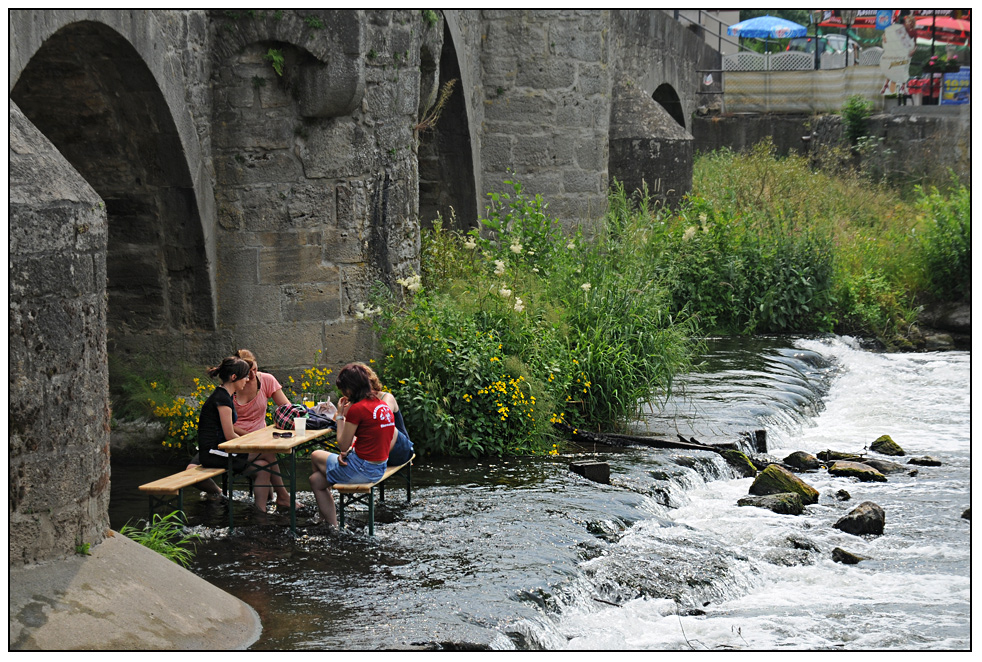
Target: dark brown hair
<point>230,367</point>
<point>355,381</point>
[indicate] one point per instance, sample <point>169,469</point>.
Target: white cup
<point>300,425</point>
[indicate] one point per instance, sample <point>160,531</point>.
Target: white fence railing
<point>798,61</point>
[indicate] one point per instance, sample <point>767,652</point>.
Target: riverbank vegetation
<point>515,326</point>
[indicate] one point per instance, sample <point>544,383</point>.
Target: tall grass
<point>164,535</point>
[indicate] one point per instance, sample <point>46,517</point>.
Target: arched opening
<point>446,172</point>
<point>93,97</point>
<point>666,96</point>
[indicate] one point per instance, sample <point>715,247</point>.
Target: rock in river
<point>865,519</point>
<point>803,461</point>
<point>777,480</point>
<point>925,461</point>
<point>786,503</point>
<point>840,555</point>
<point>885,466</point>
<point>863,472</point>
<point>886,446</point>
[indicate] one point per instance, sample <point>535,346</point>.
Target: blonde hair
<point>373,379</point>
<point>248,356</point>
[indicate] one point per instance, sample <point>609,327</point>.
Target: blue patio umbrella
<point>767,27</point>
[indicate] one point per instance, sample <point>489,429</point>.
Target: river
<point>522,553</point>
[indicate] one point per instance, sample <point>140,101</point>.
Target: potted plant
<point>952,65</point>
<point>936,64</point>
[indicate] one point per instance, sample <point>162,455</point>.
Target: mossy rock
<point>886,446</point>
<point>778,480</point>
<point>786,503</point>
<point>864,472</point>
<point>740,462</point>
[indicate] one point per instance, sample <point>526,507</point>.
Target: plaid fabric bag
<point>284,414</point>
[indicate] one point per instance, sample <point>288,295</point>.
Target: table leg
<point>231,489</point>
<point>293,493</point>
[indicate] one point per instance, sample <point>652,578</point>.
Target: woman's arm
<point>390,400</point>
<point>346,430</point>
<point>280,398</point>
<point>225,414</point>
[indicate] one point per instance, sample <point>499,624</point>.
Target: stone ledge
<point>123,597</point>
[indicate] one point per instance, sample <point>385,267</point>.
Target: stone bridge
<point>184,183</point>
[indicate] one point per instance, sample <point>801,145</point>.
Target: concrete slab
<point>123,597</point>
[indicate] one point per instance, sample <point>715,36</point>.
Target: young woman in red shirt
<point>362,414</point>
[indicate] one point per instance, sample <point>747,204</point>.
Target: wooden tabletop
<point>263,440</point>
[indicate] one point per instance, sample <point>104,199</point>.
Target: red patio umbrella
<point>944,29</point>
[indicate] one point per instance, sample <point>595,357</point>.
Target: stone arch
<point>668,98</point>
<point>92,94</point>
<point>446,166</point>
<point>454,152</point>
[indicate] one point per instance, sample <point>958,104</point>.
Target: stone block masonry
<point>319,200</point>
<point>58,476</point>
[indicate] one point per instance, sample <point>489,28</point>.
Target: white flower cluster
<point>470,244</point>
<point>362,311</point>
<point>414,283</point>
<point>499,268</point>
<point>516,248</point>
<point>585,287</point>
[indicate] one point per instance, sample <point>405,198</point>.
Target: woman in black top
<point>216,425</point>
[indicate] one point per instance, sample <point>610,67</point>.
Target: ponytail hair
<point>355,382</point>
<point>248,356</point>
<point>230,367</point>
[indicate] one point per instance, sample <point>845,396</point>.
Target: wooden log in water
<point>621,440</point>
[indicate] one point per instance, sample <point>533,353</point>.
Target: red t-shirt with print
<point>376,426</point>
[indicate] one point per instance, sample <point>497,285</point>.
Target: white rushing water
<point>912,592</point>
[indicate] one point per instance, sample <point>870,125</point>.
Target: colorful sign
<point>884,17</point>
<point>898,46</point>
<point>956,87</point>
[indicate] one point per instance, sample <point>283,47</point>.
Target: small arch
<point>668,98</point>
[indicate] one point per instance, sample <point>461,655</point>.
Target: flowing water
<point>523,553</point>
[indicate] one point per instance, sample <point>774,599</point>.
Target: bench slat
<point>355,488</point>
<point>174,483</point>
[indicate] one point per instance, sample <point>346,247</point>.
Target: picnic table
<point>264,441</point>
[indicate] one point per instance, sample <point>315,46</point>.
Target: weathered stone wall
<point>545,79</point>
<point>741,132</point>
<point>316,201</point>
<point>58,453</point>
<point>914,144</point>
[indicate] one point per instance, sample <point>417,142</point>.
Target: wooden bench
<point>349,493</point>
<point>163,491</point>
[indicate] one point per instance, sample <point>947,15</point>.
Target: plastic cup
<point>300,425</point>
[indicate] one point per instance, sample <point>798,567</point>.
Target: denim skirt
<point>356,471</point>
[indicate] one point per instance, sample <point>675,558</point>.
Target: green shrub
<point>856,112</point>
<point>945,243</point>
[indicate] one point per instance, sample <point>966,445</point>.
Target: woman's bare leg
<point>324,497</point>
